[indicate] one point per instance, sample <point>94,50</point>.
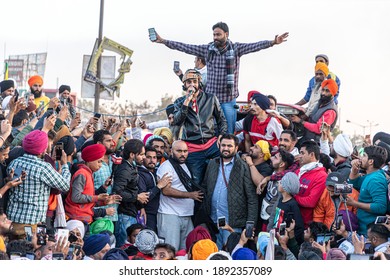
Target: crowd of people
<point>203,185</point>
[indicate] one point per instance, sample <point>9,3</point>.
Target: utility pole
<point>98,74</point>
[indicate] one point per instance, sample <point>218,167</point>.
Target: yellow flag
<point>6,71</point>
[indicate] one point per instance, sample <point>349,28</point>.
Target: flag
<point>270,252</point>
<point>6,71</point>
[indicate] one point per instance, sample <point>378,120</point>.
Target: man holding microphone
<point>200,119</point>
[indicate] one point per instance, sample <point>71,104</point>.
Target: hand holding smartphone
<point>152,34</point>
<point>176,66</point>
<point>41,234</point>
<point>58,150</point>
<point>282,229</point>
<point>249,229</point>
<point>221,222</point>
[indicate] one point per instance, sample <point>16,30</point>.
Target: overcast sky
<point>354,34</point>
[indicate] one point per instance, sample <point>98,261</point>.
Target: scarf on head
<point>184,178</point>
<point>228,49</point>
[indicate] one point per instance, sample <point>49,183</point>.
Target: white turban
<point>342,145</point>
<point>72,224</point>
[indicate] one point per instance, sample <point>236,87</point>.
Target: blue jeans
<point>122,224</point>
<point>197,161</point>
<point>230,114</point>
<point>223,235</point>
<point>174,229</point>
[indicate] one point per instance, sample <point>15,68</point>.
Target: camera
<point>343,188</point>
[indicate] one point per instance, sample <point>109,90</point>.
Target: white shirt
<point>175,206</point>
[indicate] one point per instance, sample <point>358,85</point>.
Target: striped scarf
<point>229,50</point>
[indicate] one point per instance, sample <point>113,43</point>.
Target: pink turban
<point>35,142</point>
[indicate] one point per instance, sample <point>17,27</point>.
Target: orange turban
<point>323,67</point>
<point>332,86</point>
<point>35,80</point>
<point>203,248</point>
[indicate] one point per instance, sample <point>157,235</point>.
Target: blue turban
<point>244,254</point>
<point>95,243</point>
<point>115,254</point>
<point>261,100</point>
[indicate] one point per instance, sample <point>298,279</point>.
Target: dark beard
<point>324,99</point>
<point>37,93</point>
<point>219,44</point>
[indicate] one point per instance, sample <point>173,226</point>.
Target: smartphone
<point>28,232</point>
<point>367,246</point>
<point>77,249</point>
<point>58,150</point>
<point>339,220</point>
<point>381,220</point>
<point>41,234</point>
<point>161,239</point>
<point>49,112</point>
<point>16,95</point>
<point>17,173</point>
<point>61,233</point>
<point>97,116</point>
<point>72,237</point>
<point>58,256</point>
<point>30,255</point>
<point>249,229</point>
<point>71,251</point>
<point>289,218</point>
<point>320,238</point>
<point>221,222</point>
<point>282,229</point>
<point>176,66</point>
<point>152,34</point>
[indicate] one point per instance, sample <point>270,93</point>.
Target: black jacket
<point>242,198</point>
<point>126,185</point>
<point>147,183</point>
<point>199,127</point>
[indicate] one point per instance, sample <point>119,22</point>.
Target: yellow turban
<point>35,80</point>
<point>203,248</point>
<point>265,148</point>
<point>164,131</point>
<point>323,67</point>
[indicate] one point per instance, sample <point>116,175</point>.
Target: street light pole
<point>98,74</point>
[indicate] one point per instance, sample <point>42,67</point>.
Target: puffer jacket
<point>242,199</point>
<point>199,127</point>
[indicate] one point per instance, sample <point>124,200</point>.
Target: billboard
<point>22,67</point>
<point>107,73</point>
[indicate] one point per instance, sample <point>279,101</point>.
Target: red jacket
<point>81,211</point>
<point>311,189</point>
